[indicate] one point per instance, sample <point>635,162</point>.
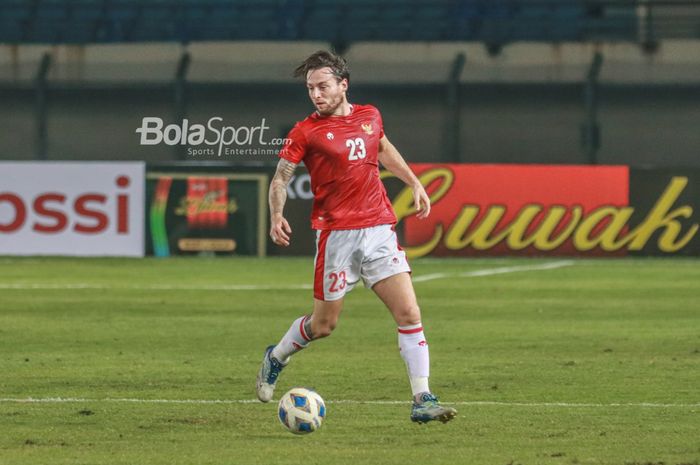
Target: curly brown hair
<point>324,59</point>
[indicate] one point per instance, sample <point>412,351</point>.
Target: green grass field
<point>593,363</point>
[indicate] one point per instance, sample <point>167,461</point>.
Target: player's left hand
<point>421,201</point>
<point>280,230</point>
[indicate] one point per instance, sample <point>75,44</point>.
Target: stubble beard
<point>331,107</point>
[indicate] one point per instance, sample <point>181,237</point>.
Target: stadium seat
<point>330,20</point>
<point>52,10</point>
<point>12,31</point>
<point>77,35</point>
<point>14,10</point>
<point>92,13</point>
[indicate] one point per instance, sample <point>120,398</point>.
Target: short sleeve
<point>294,147</point>
<point>380,122</point>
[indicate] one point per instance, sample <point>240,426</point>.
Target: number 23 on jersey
<point>357,148</point>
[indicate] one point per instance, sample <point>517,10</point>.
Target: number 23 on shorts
<point>338,281</point>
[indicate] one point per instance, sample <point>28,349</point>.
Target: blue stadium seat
<point>392,15</point>
<point>323,31</point>
<point>222,16</point>
<point>14,10</point>
<point>87,14</point>
<point>573,11</point>
<point>260,15</point>
<point>12,31</point>
<point>52,10</point>
<point>154,12</point>
<point>195,11</point>
<point>492,21</point>
<point>44,32</point>
<point>77,33</point>
<point>123,12</point>
<point>362,16</point>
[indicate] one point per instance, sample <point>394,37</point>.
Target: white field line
<point>77,400</point>
<point>429,277</point>
<point>515,269</point>
<point>495,271</point>
<point>155,287</point>
<point>254,287</point>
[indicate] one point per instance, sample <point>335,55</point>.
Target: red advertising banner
<point>542,210</point>
<point>72,208</point>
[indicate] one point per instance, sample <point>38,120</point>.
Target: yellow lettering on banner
<point>606,238</point>
<point>608,223</point>
<point>403,203</point>
<point>515,232</point>
<point>424,249</point>
<point>543,234</point>
<point>661,217</point>
<point>515,237</point>
<point>479,238</point>
<point>455,240</point>
<point>404,207</point>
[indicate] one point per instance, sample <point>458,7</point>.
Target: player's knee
<point>321,329</point>
<point>408,315</point>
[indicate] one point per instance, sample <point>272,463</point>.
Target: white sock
<point>414,351</point>
<point>293,341</point>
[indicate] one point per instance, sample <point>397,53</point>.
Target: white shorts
<point>345,256</point>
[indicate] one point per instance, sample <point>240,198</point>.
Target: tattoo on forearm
<point>278,186</point>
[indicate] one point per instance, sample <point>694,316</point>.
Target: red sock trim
<point>301,329</point>
<point>411,331</point>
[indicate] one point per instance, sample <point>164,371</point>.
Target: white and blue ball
<point>301,410</point>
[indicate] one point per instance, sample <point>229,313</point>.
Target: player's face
<point>326,93</point>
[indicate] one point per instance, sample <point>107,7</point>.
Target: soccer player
<point>341,145</point>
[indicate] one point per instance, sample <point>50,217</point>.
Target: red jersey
<point>341,154</point>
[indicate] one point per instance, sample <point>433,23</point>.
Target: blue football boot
<point>428,408</point>
<point>267,376</point>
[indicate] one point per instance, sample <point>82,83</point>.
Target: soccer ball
<point>301,410</point>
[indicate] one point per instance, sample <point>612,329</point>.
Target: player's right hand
<point>280,230</point>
